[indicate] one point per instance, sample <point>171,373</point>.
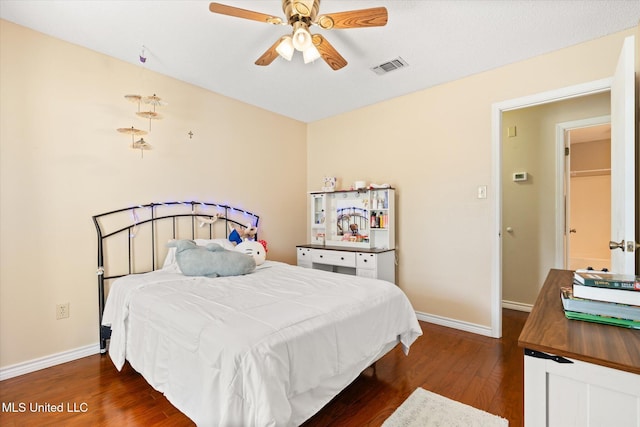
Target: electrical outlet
<point>62,311</point>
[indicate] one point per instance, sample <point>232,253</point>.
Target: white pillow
<point>170,259</point>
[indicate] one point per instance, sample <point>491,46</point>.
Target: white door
<point>623,162</point>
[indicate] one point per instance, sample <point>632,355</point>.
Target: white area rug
<point>426,409</point>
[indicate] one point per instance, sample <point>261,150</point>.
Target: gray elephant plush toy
<point>211,260</point>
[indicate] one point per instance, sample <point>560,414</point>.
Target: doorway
<point>533,188</point>
<point>591,88</point>
<point>624,213</point>
<point>587,183</point>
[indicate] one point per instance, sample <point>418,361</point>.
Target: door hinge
<point>566,151</point>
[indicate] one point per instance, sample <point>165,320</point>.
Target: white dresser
<point>577,373</point>
<point>374,263</point>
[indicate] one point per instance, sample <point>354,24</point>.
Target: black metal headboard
<point>132,240</point>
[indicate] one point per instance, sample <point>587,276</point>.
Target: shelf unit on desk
<point>371,211</point>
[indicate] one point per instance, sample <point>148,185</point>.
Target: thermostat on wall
<point>520,176</point>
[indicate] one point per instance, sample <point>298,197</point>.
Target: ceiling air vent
<point>389,66</point>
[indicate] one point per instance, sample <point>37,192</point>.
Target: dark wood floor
<point>482,372</point>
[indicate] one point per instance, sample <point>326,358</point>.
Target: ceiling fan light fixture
<point>301,15</point>
<point>285,48</point>
<point>310,54</point>
<point>301,36</point>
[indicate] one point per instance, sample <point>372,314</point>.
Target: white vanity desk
<point>374,263</point>
<point>352,232</point>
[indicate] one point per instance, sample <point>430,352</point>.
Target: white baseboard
<point>467,326</point>
<point>48,361</point>
<point>456,324</point>
<point>512,305</point>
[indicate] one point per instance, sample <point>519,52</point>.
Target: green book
<point>599,308</point>
<point>573,315</point>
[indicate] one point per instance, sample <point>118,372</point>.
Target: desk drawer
<point>366,261</point>
<point>304,257</point>
<point>343,259</point>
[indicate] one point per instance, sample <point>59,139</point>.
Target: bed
<point>268,348</point>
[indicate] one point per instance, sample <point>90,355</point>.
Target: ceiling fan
<point>301,15</point>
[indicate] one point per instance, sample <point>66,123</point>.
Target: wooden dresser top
<point>548,330</point>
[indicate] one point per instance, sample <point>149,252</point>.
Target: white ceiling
<point>440,40</point>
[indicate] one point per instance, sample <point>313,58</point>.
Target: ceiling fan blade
<point>271,54</point>
<point>328,52</point>
<point>244,13</point>
<point>374,17</point>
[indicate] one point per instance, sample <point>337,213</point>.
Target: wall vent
<point>389,66</point>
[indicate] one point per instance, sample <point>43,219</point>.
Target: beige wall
<point>62,161</point>
<point>435,147</point>
<point>529,250</point>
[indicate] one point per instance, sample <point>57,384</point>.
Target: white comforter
<point>266,349</point>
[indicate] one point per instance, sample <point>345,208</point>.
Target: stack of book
<point>602,297</point>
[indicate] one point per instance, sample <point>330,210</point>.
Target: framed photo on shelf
<point>329,183</point>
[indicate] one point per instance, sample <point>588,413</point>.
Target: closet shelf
<point>591,172</point>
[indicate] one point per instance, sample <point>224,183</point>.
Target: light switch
<point>482,192</point>
<point>511,131</point>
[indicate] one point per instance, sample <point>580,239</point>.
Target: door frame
<point>584,89</point>
<point>562,196</point>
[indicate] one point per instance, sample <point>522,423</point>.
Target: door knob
<point>572,230</point>
<point>613,245</point>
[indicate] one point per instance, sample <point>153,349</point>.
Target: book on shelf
<point>573,315</point>
<point>620,296</point>
<point>604,279</point>
<point>599,308</point>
